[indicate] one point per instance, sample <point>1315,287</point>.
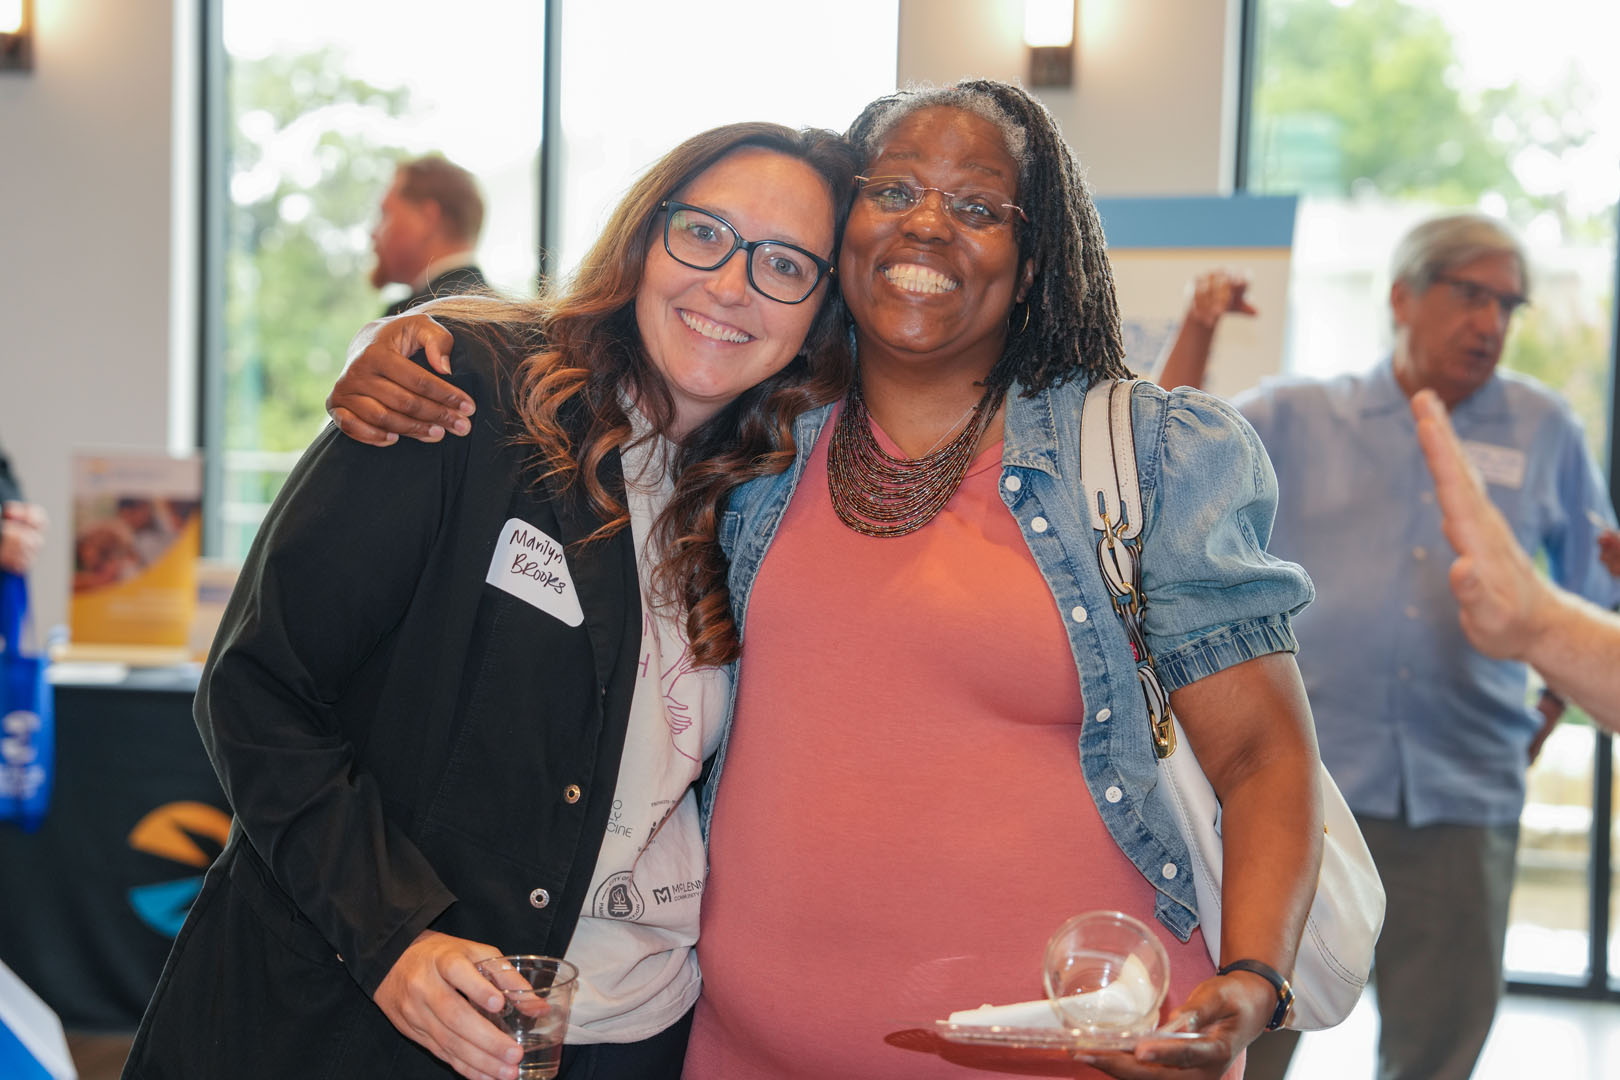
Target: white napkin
<point>1120,1004</point>
<point>1025,1014</point>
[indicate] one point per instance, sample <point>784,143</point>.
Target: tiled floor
<point>1538,1037</point>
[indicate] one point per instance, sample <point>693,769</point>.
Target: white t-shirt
<point>633,944</point>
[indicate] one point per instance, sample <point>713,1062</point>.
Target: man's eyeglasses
<point>704,240</point>
<point>1474,296</point>
<point>901,195</point>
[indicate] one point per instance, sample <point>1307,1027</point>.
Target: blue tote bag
<point>27,718</point>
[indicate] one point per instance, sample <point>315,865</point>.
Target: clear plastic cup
<point>1106,975</point>
<point>537,993</point>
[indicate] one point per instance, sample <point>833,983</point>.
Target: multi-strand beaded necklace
<point>880,495</point>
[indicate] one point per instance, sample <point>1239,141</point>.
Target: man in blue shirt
<point>1428,737</point>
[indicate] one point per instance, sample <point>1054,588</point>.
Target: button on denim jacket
<point>1215,598</point>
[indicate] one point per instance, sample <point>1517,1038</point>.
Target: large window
<point>314,101</point>
<point>677,69</point>
<point>1382,112</point>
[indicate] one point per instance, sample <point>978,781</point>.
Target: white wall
<point>1152,82</point>
<point>90,200</point>
<point>85,221</point>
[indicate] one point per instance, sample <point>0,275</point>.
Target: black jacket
<point>405,746</point>
<point>463,279</point>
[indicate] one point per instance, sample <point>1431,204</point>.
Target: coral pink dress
<point>902,821</point>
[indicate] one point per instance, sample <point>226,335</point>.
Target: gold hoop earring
<point>1024,327</point>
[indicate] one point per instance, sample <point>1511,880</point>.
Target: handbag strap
<point>1112,491</point>
<point>1114,498</point>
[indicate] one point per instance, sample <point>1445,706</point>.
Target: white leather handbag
<point>1336,949</point>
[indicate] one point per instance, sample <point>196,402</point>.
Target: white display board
<point>1159,245</point>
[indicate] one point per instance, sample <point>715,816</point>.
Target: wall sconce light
<point>16,35</point>
<point>1049,34</point>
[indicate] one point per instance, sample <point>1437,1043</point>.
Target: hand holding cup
<point>537,993</point>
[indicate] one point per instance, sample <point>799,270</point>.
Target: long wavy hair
<point>583,357</point>
<point>1074,322</point>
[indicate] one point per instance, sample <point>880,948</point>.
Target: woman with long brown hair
<point>462,692</point>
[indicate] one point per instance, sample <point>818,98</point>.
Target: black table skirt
<point>90,903</point>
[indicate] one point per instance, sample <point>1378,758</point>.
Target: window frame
<point>213,203</point>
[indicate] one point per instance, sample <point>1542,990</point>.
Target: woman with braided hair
<point>939,750</point>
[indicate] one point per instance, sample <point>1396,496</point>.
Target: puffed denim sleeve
<point>1215,597</point>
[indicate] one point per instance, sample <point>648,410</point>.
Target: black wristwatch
<point>1285,993</point>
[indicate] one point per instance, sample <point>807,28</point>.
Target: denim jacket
<point>1215,598</point>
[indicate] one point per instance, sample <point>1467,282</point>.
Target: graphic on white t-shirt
<point>633,942</point>
<point>679,683</point>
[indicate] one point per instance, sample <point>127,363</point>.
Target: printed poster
<point>136,539</point>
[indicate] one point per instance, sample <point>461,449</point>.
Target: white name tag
<point>1501,465</point>
<point>530,565</point>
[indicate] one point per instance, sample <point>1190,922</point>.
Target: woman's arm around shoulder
<point>383,393</point>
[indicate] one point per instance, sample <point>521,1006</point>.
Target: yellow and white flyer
<point>136,539</point>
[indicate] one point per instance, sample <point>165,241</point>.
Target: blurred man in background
<point>427,228</point>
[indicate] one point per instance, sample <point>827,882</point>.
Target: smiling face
<point>708,332</point>
<point>922,286</point>
<point>1444,342</point>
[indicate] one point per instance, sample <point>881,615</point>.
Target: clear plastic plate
<point>1046,1038</point>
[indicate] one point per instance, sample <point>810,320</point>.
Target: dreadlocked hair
<point>582,360</point>
<point>1074,322</point>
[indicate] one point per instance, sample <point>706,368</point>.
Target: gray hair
<point>1440,244</point>
<point>965,98</point>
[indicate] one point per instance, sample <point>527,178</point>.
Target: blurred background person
<point>1428,737</point>
<point>22,524</point>
<point>427,228</point>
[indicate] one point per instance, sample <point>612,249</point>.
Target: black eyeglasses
<point>704,240</point>
<point>1474,296</point>
<point>901,195</point>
